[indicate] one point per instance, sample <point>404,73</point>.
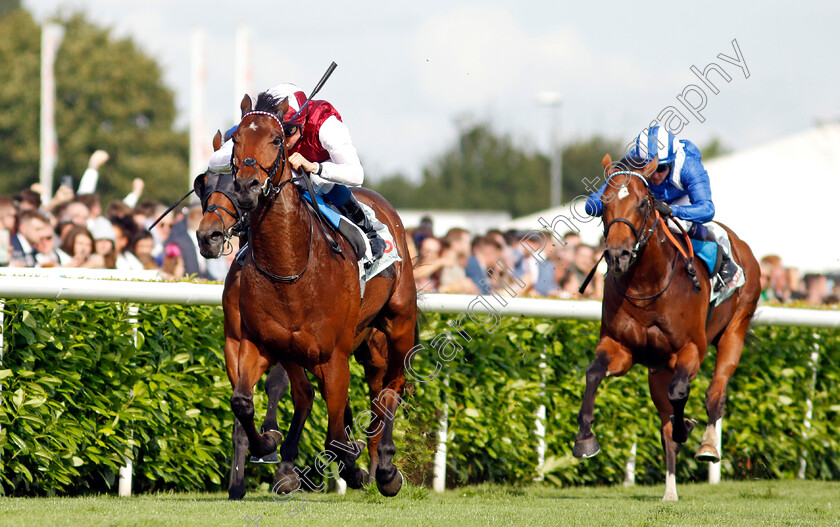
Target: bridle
<point>218,185</point>
<point>642,236</point>
<point>271,189</point>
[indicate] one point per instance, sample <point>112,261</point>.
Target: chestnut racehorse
<point>301,304</point>
<point>219,223</point>
<point>652,315</point>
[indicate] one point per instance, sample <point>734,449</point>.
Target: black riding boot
<point>728,268</point>
<point>352,210</point>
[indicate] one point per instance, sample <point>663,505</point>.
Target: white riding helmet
<point>656,141</point>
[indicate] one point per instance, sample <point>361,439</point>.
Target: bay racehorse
<point>653,315</point>
<point>301,304</point>
<point>222,219</point>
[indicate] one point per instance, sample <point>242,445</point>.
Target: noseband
<point>643,237</point>
<point>224,187</point>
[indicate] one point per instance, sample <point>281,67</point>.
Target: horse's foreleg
<point>611,358</point>
<point>688,364</point>
<point>236,486</point>
<point>251,366</point>
<point>285,478</point>
<point>276,384</point>
<point>659,383</point>
<point>729,349</point>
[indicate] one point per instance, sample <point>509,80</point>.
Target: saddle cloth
<point>367,267</point>
<point>711,255</point>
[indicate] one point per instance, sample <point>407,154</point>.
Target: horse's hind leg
<point>659,383</point>
<point>334,383</point>
<point>285,478</point>
<point>402,335</point>
<point>611,358</point>
<point>729,349</point>
<point>372,355</point>
<point>688,364</point>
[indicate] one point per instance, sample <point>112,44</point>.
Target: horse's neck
<point>279,233</point>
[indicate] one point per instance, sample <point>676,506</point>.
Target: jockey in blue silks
<point>681,188</point>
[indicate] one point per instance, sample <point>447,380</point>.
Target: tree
<point>7,6</point>
<point>109,96</point>
<point>714,148</point>
<point>484,171</point>
<point>582,160</point>
<point>20,54</point>
<point>481,171</point>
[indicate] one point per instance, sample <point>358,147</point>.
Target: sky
<point>410,73</point>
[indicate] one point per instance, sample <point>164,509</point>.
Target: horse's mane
<point>632,163</point>
<point>266,102</point>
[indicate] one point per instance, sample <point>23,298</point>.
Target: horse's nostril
<point>215,236</point>
<point>253,185</point>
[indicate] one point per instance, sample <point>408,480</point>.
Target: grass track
<point>730,503</point>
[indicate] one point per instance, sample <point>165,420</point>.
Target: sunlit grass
<point>730,503</point>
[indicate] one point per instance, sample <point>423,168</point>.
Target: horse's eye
<point>644,204</point>
<point>278,140</point>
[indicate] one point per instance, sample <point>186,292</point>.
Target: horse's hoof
<point>391,488</point>
<point>670,497</point>
<point>707,453</point>
<point>266,448</point>
<point>676,434</point>
<point>236,493</point>
<point>358,479</point>
<point>268,458</point>
<point>585,448</point>
<point>285,484</point>
<point>366,479</point>
<point>276,435</point>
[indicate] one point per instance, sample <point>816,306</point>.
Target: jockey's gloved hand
<point>663,208</point>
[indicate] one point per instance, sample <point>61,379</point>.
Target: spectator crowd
<point>74,230</point>
<point>459,263</point>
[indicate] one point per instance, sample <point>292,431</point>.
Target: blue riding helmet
<point>656,141</point>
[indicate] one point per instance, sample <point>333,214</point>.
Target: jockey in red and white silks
<point>318,142</point>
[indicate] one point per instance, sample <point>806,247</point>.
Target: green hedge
<point>79,397</point>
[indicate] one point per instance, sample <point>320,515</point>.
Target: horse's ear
<point>606,161</point>
<point>650,167</point>
<point>245,105</point>
<point>199,184</point>
<point>217,141</point>
<point>282,108</point>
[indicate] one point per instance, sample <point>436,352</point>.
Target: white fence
<point>110,286</point>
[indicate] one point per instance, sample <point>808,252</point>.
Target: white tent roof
<point>783,197</point>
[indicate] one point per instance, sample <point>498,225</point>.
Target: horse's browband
<point>257,112</point>
<point>631,173</point>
